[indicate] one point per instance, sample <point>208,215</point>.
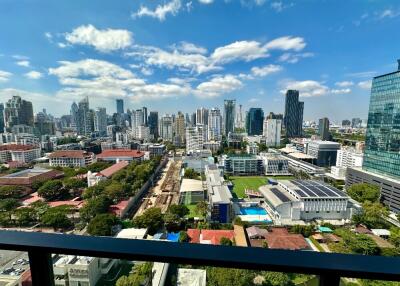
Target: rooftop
<point>70,154</point>
<point>280,238</point>
<point>191,277</point>
<point>108,172</point>
<point>132,233</point>
<point>313,189</point>
<point>17,147</point>
<point>190,185</point>
<point>121,153</point>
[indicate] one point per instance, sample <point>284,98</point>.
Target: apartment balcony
<point>328,266</point>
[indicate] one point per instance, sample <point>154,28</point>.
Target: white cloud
<point>161,11</point>
<point>23,63</point>
<point>279,6</point>
<point>265,70</point>
<point>365,84</point>
<point>344,83</point>
<point>341,91</point>
<point>294,58</point>
<point>254,100</point>
<point>218,86</point>
<point>4,76</point>
<point>34,75</point>
<point>102,40</point>
<point>388,13</point>
<point>307,88</point>
<point>101,79</point>
<point>286,43</point>
<point>62,45</point>
<point>241,50</point>
<point>146,71</point>
<point>20,57</point>
<point>48,35</point>
<point>206,1</point>
<point>365,74</point>
<point>250,3</point>
<point>189,48</point>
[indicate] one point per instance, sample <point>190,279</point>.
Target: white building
<point>213,146</point>
<point>71,158</point>
<point>137,118</point>
<point>349,157</point>
<point>166,130</point>
<point>194,138</point>
<point>100,120</point>
<point>19,153</point>
<point>192,277</point>
<point>292,201</point>
<point>275,164</point>
<point>121,138</point>
<point>252,148</point>
<point>272,131</point>
<point>214,125</point>
<point>143,133</point>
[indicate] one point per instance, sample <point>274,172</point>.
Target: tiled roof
<point>280,238</point>
<point>70,154</point>
<point>215,235</point>
<point>16,147</point>
<point>77,204</point>
<point>108,172</point>
<point>194,235</point>
<point>121,153</point>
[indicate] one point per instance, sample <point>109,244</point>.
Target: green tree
<point>202,208</point>
<point>227,277</point>
<point>7,205</point>
<point>7,192</point>
<point>93,191</point>
<point>276,279</point>
<point>53,190</point>
<point>191,174</point>
<point>101,225</point>
<point>114,191</point>
<point>305,230</point>
<point>225,241</point>
<point>395,236</point>
<point>265,244</point>
<point>57,217</point>
<point>172,222</point>
<point>151,218</point>
<point>372,215</point>
<point>24,216</point>
<point>398,216</point>
<point>179,210</point>
<point>183,236</point>
<point>94,206</point>
<point>364,192</point>
<point>74,184</point>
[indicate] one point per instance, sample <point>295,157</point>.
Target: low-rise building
<point>306,200</point>
<point>27,177</point>
<point>71,158</point>
<point>191,192</point>
<point>324,151</point>
<point>243,165</point>
<point>96,177</point>
<point>19,153</point>
<point>213,146</point>
<point>252,148</point>
<point>192,277</point>
<point>219,195</point>
<point>209,236</point>
<point>154,149</point>
<point>121,155</point>
<point>275,164</point>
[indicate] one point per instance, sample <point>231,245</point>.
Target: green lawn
<point>240,184</point>
<point>281,177</point>
<point>193,213</point>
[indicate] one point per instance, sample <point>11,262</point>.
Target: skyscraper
<point>137,118</point>
<point>382,144</point>
<point>202,116</point>
<point>85,118</point>
<point>100,121</point>
<point>323,129</point>
<point>272,131</point>
<point>214,124</point>
<point>193,119</point>
<point>120,106</point>
<point>179,129</point>
<point>194,138</point>
<point>18,111</point>
<point>166,131</point>
<point>144,109</point>
<point>229,115</point>
<point>74,115</point>
<point>254,121</point>
<point>1,117</point>
<point>293,119</point>
<point>153,124</point>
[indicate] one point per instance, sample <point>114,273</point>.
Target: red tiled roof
<point>34,197</point>
<point>280,238</point>
<point>194,235</point>
<point>121,153</point>
<point>215,235</point>
<point>117,209</point>
<point>77,204</point>
<point>70,154</point>
<point>17,147</point>
<point>108,172</point>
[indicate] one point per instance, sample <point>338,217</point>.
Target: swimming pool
<point>253,211</point>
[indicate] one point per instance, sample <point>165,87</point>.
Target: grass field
<point>240,184</point>
<point>193,213</point>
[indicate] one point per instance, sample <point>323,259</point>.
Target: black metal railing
<point>329,266</point>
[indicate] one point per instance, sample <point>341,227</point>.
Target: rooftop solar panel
<point>280,195</point>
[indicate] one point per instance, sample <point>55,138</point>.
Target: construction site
<point>166,191</point>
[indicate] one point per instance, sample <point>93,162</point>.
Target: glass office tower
<point>229,116</point>
<point>382,144</point>
<point>254,121</point>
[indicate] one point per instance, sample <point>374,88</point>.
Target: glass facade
<point>254,121</point>
<point>293,119</point>
<point>382,148</point>
<point>229,116</point>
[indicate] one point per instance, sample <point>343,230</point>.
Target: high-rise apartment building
<point>202,116</point>
<point>293,119</point>
<point>137,118</point>
<point>229,115</point>
<point>179,129</point>
<point>1,117</point>
<point>74,115</point>
<point>18,111</point>
<point>153,124</point>
<point>193,119</point>
<point>144,109</point>
<point>215,124</point>
<point>120,106</point>
<point>166,128</point>
<point>272,131</point>
<point>239,118</point>
<point>85,118</point>
<point>254,121</point>
<point>100,121</point>
<point>194,138</point>
<point>323,129</point>
<point>382,148</point>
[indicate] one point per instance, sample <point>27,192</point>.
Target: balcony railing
<point>329,266</point>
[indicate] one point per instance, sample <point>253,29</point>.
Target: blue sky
<point>179,55</point>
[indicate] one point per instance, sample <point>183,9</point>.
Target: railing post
<point>329,280</point>
<point>41,268</point>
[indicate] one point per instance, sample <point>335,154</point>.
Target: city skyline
<point>179,52</point>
